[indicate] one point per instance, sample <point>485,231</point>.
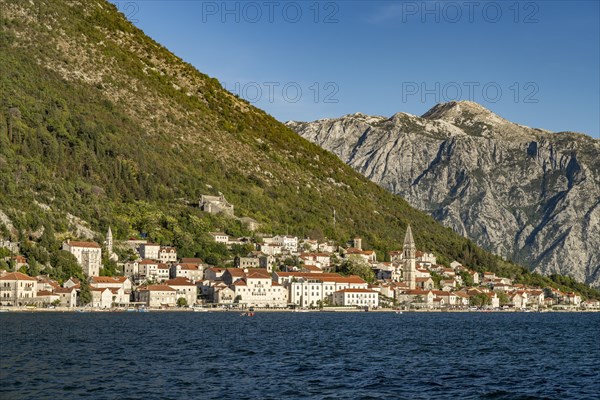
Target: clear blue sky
<point>382,57</point>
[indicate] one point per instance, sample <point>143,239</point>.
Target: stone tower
<point>109,242</point>
<point>357,243</point>
<point>409,257</point>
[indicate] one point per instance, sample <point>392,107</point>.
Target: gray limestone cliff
<point>527,194</point>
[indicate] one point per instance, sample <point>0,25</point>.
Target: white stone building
<point>167,255</point>
<point>156,296</point>
<point>149,251</point>
<point>257,289</point>
<point>193,272</point>
<point>17,289</point>
<point>290,243</point>
<point>88,255</point>
<point>310,289</point>
<point>220,237</point>
<point>185,289</point>
<point>356,297</point>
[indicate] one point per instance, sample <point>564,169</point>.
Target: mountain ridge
<point>452,161</point>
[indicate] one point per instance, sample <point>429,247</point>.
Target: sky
<point>536,63</point>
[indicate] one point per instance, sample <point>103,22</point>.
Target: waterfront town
<point>279,272</point>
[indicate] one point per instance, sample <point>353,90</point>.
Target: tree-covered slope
<point>101,122</point>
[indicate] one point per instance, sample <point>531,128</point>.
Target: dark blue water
<point>300,355</point>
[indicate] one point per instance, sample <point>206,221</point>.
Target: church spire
<point>409,255</point>
<point>109,242</point>
<point>409,247</point>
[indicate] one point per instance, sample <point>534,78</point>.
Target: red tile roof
<point>192,261</point>
<point>17,276</point>
<point>84,244</point>
<point>356,291</point>
<point>158,288</point>
<point>180,281</point>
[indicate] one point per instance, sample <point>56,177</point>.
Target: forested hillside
<point>100,122</point>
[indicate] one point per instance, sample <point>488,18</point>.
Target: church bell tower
<point>409,257</point>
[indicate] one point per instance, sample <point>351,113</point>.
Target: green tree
<point>503,298</point>
<point>356,265</point>
<point>182,302</point>
<point>85,293</point>
<point>64,266</point>
<point>466,278</point>
<point>480,300</point>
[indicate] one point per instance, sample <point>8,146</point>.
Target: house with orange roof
<point>156,296</point>
<point>101,298</point>
<point>572,299</point>
<point>257,288</point>
<point>112,282</point>
<point>367,255</point>
<point>72,282</point>
<point>167,254</point>
<point>45,283</point>
<point>88,255</point>
<point>20,261</point>
<point>45,297</point>
<point>17,289</point>
<point>223,295</point>
<point>518,299</point>
<point>67,296</point>
<point>308,289</point>
<point>185,289</point>
<point>424,283</point>
<point>192,271</point>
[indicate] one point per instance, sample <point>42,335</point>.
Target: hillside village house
<point>46,297</point>
<point>131,268</point>
<point>119,286</point>
<point>193,272</point>
<point>290,243</point>
<point>257,289</point>
<point>157,296</point>
<point>150,251</point>
<point>356,297</point>
<point>167,254</point>
<point>214,274</point>
<point>67,296</point>
<point>88,255</point>
<point>223,295</point>
<point>247,262</point>
<point>153,270</point>
<point>72,282</point>
<point>220,237</point>
<point>17,289</point>
<point>184,289</point>
<point>101,298</point>
<point>271,249</point>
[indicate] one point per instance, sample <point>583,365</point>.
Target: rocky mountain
<point>530,195</point>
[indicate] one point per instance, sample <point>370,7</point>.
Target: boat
<point>247,314</point>
<point>398,312</point>
<point>200,309</point>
